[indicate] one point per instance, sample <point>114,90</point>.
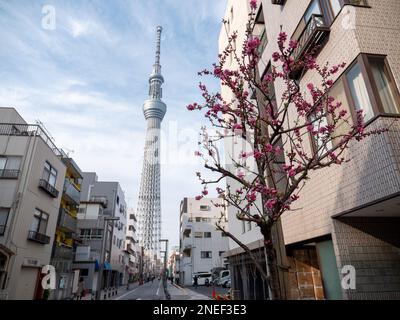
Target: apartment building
<point>132,247</point>
<point>93,253</point>
<point>66,235</point>
<point>32,176</point>
<point>201,244</point>
<point>116,208</point>
<point>347,215</point>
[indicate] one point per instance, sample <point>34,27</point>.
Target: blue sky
<point>86,80</point>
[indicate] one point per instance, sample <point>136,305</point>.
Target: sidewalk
<point>113,293</point>
<point>179,293</point>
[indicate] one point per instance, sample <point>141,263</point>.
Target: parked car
<point>224,276</point>
<point>203,279</point>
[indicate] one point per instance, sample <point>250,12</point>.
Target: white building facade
<point>201,244</point>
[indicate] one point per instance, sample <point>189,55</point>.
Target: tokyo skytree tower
<point>149,206</point>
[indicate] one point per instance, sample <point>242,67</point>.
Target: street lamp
<point>102,257</point>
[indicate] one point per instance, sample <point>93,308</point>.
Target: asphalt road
<point>147,291</point>
<point>208,290</point>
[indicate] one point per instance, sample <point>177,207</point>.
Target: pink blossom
<point>292,173</point>
<point>241,174</point>
<point>269,148</point>
<point>276,56</point>
<point>293,44</point>
<point>199,197</point>
<point>251,197</point>
<point>191,107</point>
<point>257,154</point>
<point>197,154</point>
<point>270,203</point>
<point>217,71</point>
<point>237,126</point>
<point>253,4</point>
<point>205,192</point>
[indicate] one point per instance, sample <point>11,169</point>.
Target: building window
<point>207,234</point>
<point>4,212</point>
<point>205,208</point>
<point>117,200</point>
<point>91,233</point>
<point>223,234</point>
<point>198,219</point>
<point>206,219</point>
<point>221,253</point>
<point>198,234</point>
<point>359,92</point>
<point>384,85</point>
<point>206,254</point>
<point>49,174</point>
<point>39,223</point>
<point>336,6</point>
<point>248,225</point>
<point>83,272</point>
<point>9,167</point>
<point>243,226</point>
<point>260,31</point>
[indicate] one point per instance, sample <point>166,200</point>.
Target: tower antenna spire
<point>158,45</point>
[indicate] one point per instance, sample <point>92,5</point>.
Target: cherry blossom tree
<point>270,175</point>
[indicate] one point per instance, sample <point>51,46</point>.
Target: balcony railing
<point>2,229</point>
<point>310,39</point>
<point>9,174</point>
<point>30,130</point>
<point>38,237</point>
<point>71,191</point>
<point>44,185</point>
<point>67,221</point>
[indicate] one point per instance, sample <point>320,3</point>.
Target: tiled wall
<point>371,246</point>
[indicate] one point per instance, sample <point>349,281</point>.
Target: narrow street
<point>147,291</point>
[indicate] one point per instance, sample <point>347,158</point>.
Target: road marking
<point>158,291</point>
<point>125,294</point>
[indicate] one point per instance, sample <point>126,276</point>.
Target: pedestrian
<point>80,293</point>
<point>172,280</point>
<point>195,281</point>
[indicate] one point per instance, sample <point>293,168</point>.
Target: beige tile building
<point>347,215</point>
<point>31,182</point>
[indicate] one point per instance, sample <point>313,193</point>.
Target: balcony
<point>100,199</point>
<point>72,191</point>
<point>9,174</point>
<point>310,39</point>
<point>280,2</point>
<point>29,130</point>
<point>67,221</point>
<point>2,229</point>
<point>47,187</point>
<point>38,237</point>
<point>63,252</point>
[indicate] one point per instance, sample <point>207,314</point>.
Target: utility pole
<point>102,254</point>
<point>165,267</point>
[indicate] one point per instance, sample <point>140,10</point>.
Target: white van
<point>224,278</point>
<point>203,279</point>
